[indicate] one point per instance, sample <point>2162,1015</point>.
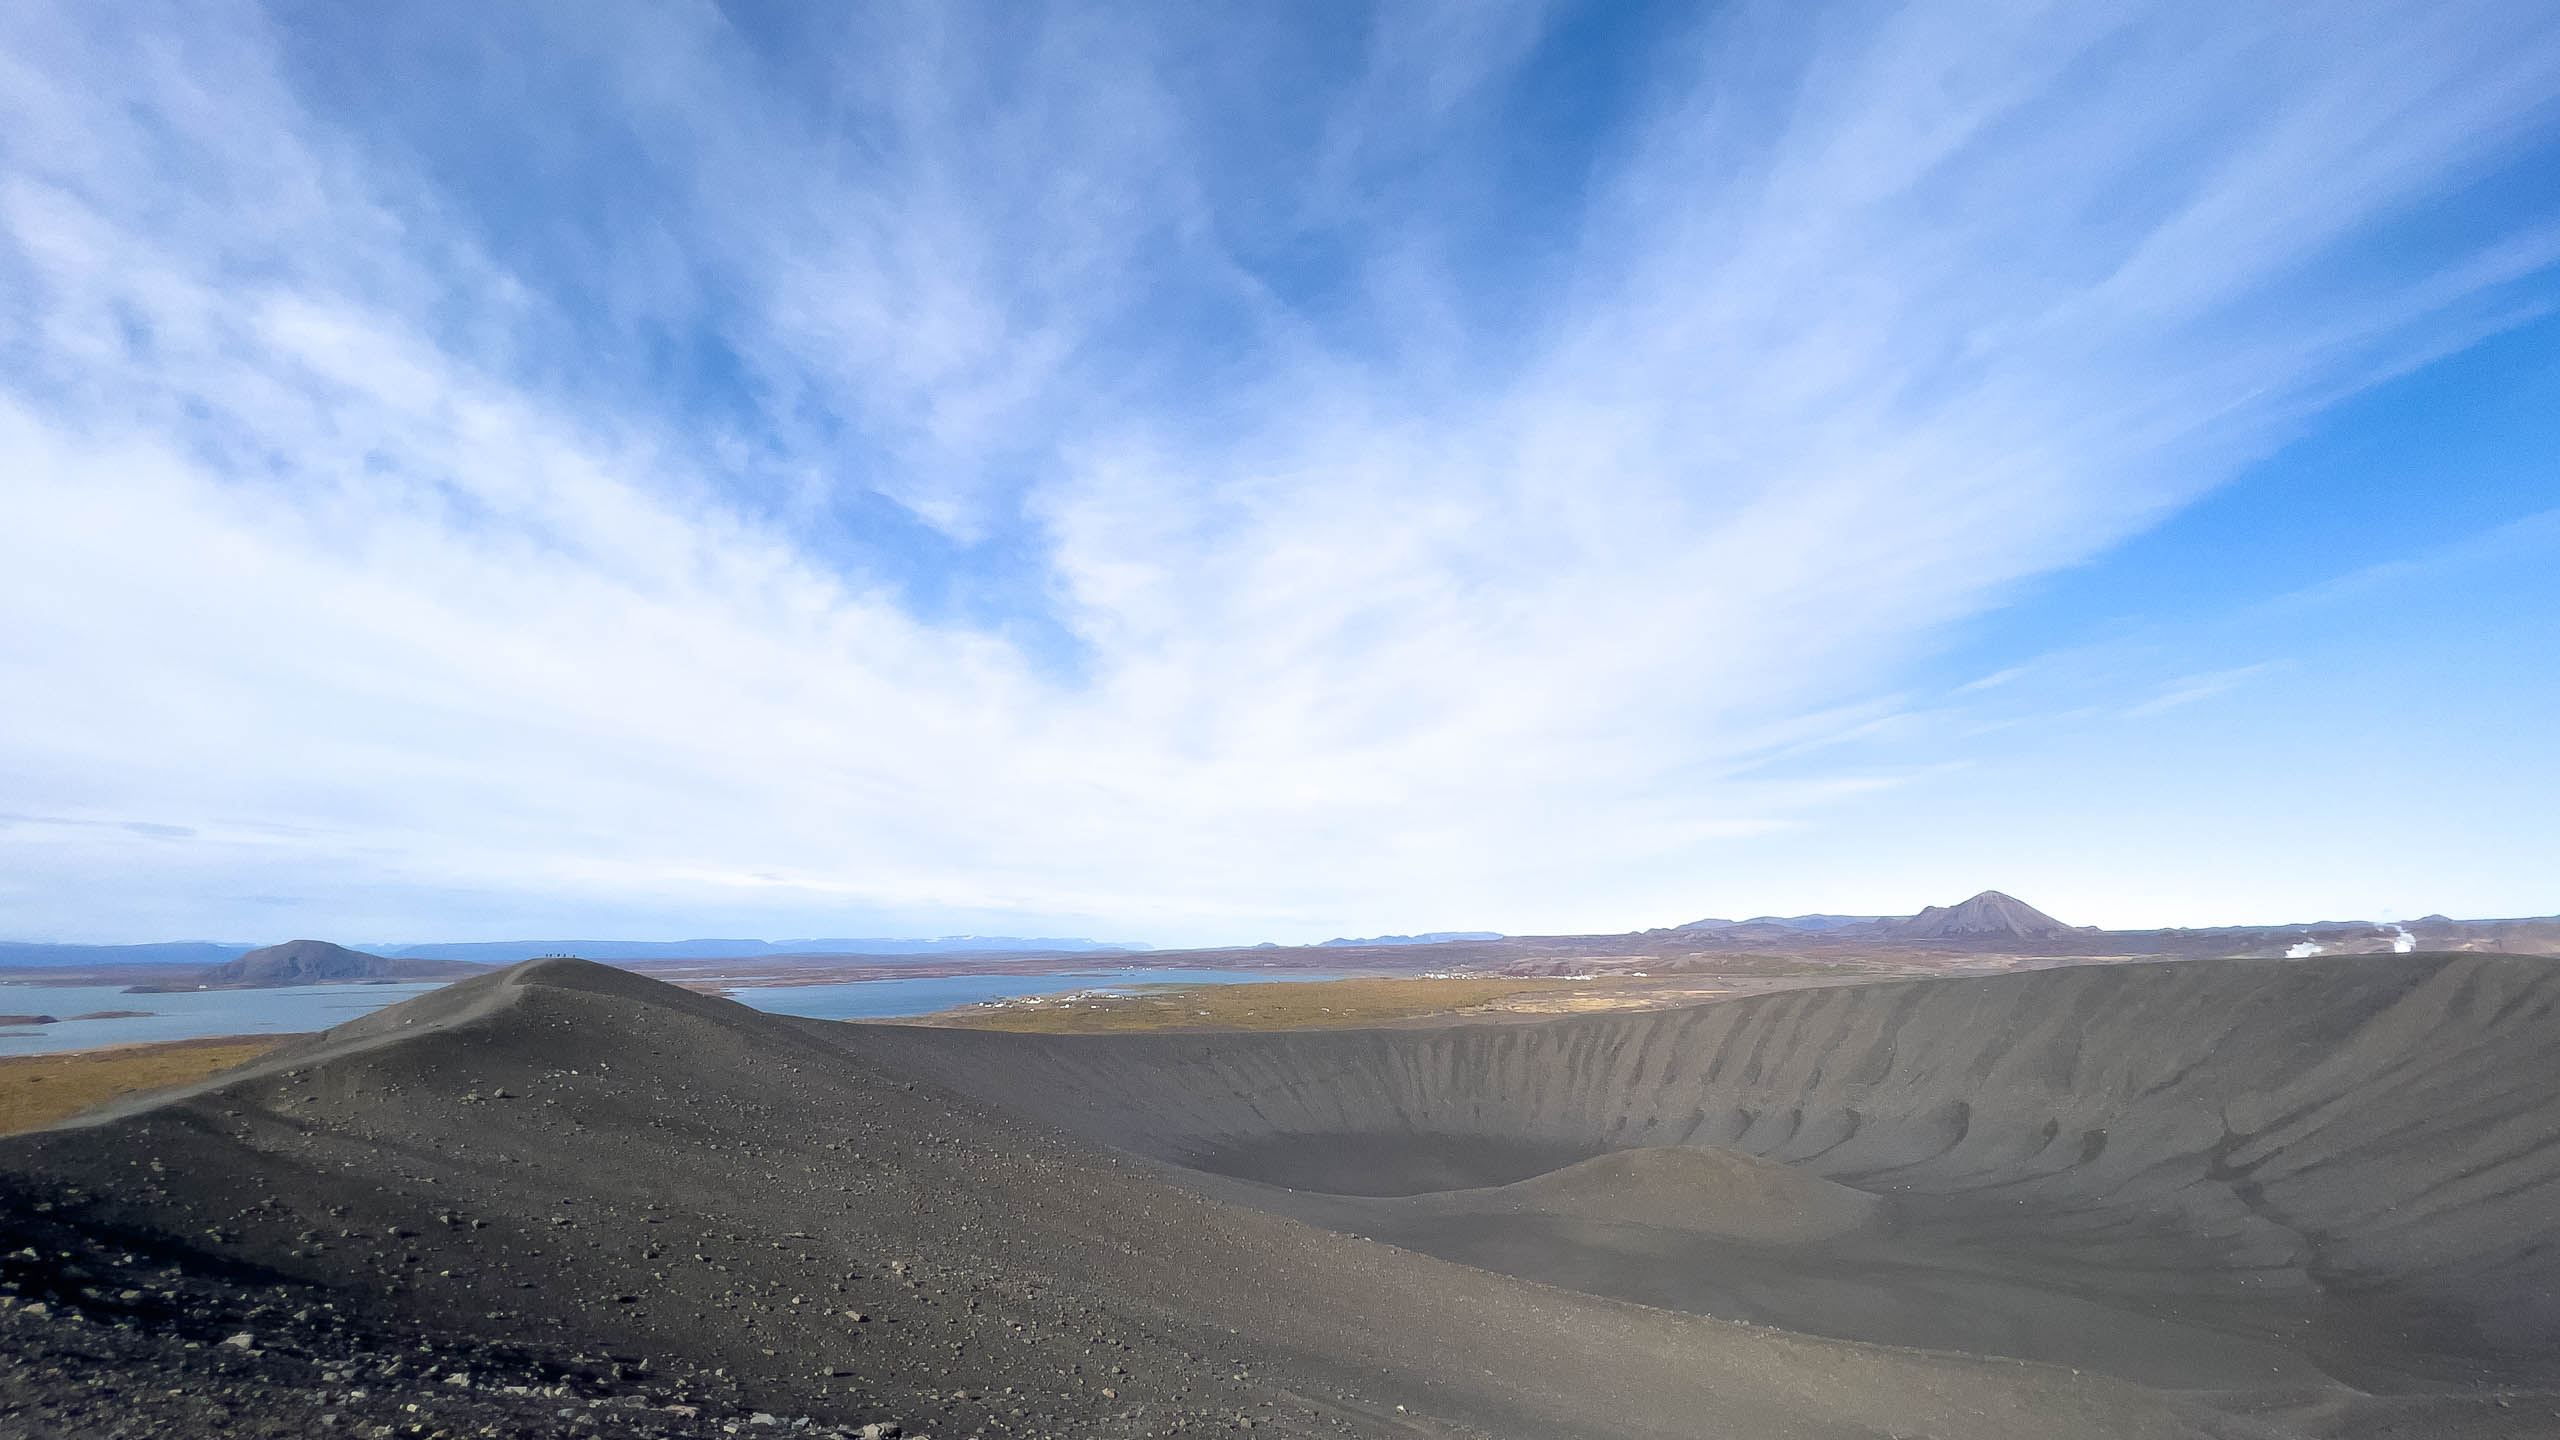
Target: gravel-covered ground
<point>666,1217</point>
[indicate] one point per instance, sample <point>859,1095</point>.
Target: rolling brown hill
<point>313,962</point>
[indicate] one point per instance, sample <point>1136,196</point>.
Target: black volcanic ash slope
<point>597,1197</point>
<point>573,1164</point>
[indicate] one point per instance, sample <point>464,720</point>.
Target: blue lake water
<point>190,1014</point>
<point>184,1014</point>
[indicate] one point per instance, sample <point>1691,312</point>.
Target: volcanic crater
<point>2208,1198</point>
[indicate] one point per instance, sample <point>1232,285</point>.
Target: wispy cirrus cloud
<point>2189,689</point>
<point>945,466</point>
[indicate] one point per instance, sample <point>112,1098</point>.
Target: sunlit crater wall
<point>2379,1124</point>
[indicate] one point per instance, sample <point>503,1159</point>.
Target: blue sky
<point>1204,474</point>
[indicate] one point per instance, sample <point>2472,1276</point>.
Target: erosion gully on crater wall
<point>2212,1199</point>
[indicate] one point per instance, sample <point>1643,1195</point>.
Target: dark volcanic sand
<point>2233,1199</point>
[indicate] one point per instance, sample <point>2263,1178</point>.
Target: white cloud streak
<point>323,543</point>
<point>2192,688</point>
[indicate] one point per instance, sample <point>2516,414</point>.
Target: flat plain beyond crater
<point>2222,1198</point>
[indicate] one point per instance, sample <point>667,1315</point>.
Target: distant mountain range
<point>1994,923</point>
<point>19,953</point>
<point>507,952</point>
<point>1991,923</point>
<point>1985,915</point>
<point>1786,922</point>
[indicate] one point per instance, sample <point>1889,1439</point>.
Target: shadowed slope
<point>570,1156</point>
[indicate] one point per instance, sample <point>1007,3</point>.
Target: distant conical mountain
<point>1989,913</point>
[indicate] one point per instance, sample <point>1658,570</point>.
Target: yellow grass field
<point>38,1090</point>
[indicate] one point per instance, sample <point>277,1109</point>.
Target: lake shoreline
<point>861,992</point>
